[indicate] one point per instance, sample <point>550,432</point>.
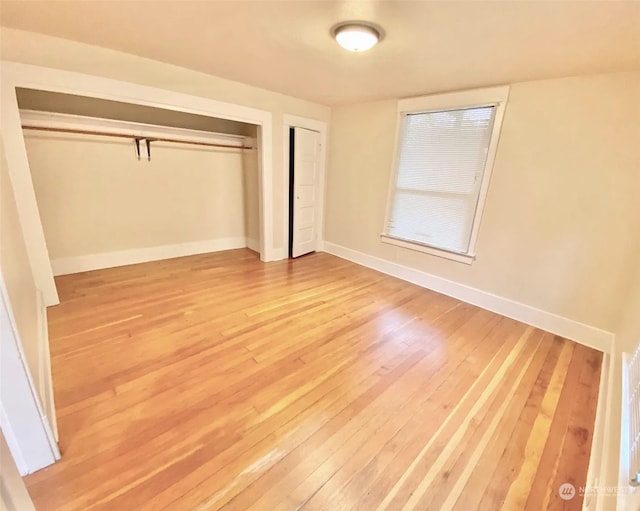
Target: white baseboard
<point>278,254</point>
<point>580,332</point>
<point>67,265</point>
<point>598,457</point>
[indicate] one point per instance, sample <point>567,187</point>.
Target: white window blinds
<point>441,163</point>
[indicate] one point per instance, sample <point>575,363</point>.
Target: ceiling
<point>286,46</point>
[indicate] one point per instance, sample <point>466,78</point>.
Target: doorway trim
<point>24,423</point>
<point>15,75</point>
<point>294,121</point>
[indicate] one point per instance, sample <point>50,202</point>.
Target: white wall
<point>628,330</point>
<point>36,49</point>
<point>251,199</point>
<point>562,210</point>
<point>95,196</point>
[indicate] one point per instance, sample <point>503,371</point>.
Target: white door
<point>306,166</point>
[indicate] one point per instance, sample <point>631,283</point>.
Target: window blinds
<point>441,162</point>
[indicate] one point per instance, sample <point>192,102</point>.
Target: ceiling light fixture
<point>356,36</point>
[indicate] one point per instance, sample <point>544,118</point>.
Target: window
<point>446,145</point>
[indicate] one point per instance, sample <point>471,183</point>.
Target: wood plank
<point>220,382</point>
<point>518,493</point>
<point>505,444</point>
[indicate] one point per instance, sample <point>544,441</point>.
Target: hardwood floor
<point>220,382</point>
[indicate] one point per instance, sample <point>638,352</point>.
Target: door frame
<point>15,75</point>
<point>294,121</point>
<point>24,423</point>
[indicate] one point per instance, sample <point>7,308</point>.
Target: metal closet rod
<point>133,137</point>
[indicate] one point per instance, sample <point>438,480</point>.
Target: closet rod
<point>126,135</point>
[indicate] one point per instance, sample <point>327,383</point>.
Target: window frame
<point>476,98</point>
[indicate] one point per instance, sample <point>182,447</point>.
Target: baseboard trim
<point>582,333</point>
<point>619,462</point>
<point>278,254</point>
<point>598,456</point>
<point>67,265</point>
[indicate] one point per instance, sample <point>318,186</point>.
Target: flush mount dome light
<point>356,35</point>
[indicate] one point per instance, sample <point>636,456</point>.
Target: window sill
<point>419,247</point>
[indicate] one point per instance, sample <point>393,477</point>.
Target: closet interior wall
<point>98,202</point>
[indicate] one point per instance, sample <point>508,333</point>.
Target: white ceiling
<point>286,46</point>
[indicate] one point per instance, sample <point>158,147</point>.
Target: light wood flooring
<point>220,382</point>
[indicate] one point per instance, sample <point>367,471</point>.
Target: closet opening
<point>129,156</point>
<point>119,183</point>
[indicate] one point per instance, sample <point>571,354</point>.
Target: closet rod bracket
<point>148,142</point>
